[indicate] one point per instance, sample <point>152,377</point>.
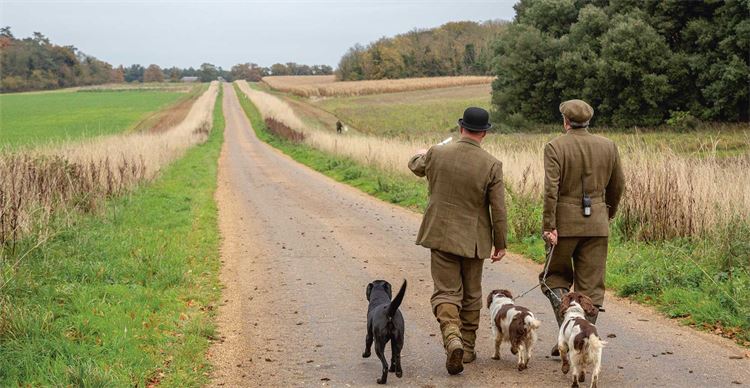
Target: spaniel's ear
<point>506,294</point>
<point>587,305</point>
<point>490,297</point>
<point>369,290</point>
<point>565,304</point>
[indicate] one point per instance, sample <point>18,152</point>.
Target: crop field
<point>34,118</point>
<point>407,113</point>
<point>306,86</point>
<point>36,183</point>
<point>150,86</point>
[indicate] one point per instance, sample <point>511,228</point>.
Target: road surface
<point>299,249</point>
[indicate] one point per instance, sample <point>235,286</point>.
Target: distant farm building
<point>189,79</point>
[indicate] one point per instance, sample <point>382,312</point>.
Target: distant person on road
<point>465,218</point>
<point>339,126</point>
<point>583,184</point>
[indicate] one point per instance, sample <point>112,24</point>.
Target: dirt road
<point>299,250</point>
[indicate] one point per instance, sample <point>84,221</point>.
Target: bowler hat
<point>578,112</point>
<point>475,119</point>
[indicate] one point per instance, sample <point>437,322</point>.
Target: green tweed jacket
<point>575,161</point>
<point>466,213</point>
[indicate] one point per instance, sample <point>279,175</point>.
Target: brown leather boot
<point>469,326</point>
<point>454,361</point>
<point>448,316</point>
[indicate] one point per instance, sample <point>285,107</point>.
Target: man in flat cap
<point>583,184</point>
<point>464,219</point>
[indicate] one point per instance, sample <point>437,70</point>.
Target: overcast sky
<point>188,33</point>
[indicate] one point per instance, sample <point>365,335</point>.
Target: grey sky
<point>188,33</point>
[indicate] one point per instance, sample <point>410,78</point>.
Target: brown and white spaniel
<point>579,343</point>
<point>514,324</point>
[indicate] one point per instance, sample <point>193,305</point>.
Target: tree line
<point>638,63</point>
<point>34,63</point>
<point>455,48</point>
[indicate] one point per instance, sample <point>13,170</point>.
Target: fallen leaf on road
<point>325,379</point>
<point>736,357</point>
<point>611,335</point>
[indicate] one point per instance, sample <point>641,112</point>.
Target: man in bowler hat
<point>464,219</point>
<point>583,184</point>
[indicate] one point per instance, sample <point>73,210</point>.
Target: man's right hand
<point>420,151</point>
<point>550,236</point>
<point>498,255</point>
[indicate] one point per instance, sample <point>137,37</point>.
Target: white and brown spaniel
<point>514,324</point>
<point>579,343</point>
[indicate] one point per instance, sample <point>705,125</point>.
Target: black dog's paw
<point>392,369</point>
<point>366,355</point>
<point>382,381</point>
<point>399,373</point>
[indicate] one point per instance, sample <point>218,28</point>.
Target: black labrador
<point>385,323</point>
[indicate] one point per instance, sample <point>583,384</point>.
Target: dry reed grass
<point>668,195</point>
<point>325,87</point>
<point>36,183</point>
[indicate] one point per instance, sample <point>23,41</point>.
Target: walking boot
<point>555,299</point>
<point>454,348</point>
<point>448,316</point>
<point>469,326</point>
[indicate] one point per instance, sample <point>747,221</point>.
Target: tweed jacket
<point>466,213</point>
<point>572,162</point>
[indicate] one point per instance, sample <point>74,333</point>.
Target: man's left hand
<point>420,151</point>
<point>498,255</point>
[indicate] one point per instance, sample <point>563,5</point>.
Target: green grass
<point>122,298</point>
<point>33,118</point>
<point>397,114</point>
<point>668,275</point>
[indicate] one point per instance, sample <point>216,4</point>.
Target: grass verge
<point>704,283</point>
<point>125,298</point>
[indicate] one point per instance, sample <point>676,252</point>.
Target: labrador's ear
<point>388,289</point>
<point>369,290</point>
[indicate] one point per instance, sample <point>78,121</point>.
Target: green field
<point>35,118</point>
<point>120,299</point>
<point>407,113</point>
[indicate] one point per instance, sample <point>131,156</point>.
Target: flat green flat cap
<point>578,112</point>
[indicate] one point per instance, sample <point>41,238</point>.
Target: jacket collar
<point>470,141</point>
<point>579,131</point>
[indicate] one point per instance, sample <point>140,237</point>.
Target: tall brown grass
<point>668,195</point>
<point>37,183</point>
<point>323,86</point>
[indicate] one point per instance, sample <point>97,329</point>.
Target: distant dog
<point>514,324</point>
<point>579,338</point>
<point>385,323</point>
